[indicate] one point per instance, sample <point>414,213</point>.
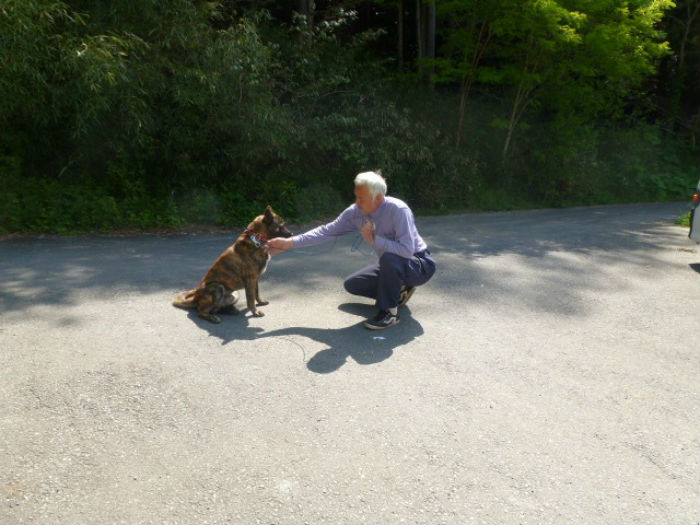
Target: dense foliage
<point>143,113</point>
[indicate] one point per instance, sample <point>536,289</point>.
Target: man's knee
<point>351,285</point>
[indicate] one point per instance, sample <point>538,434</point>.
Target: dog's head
<point>274,224</point>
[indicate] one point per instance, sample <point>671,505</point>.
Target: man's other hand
<point>367,231</point>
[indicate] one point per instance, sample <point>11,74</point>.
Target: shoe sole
<point>373,327</point>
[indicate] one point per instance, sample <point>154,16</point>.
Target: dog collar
<point>257,239</point>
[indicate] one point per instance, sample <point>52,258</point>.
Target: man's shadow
<point>365,346</point>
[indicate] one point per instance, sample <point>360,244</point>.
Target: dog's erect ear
<point>269,214</point>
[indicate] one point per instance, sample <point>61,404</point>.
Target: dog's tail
<point>185,299</point>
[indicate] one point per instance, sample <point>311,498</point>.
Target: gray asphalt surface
<point>549,373</point>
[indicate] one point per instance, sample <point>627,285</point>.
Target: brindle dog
<point>240,266</point>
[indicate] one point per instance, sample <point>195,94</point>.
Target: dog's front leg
<point>257,295</point>
<point>251,291</point>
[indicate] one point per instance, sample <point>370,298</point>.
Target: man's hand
<point>279,244</point>
<point>367,231</point>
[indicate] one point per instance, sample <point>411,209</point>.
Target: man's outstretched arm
<point>324,233</point>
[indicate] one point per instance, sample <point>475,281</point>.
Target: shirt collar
<point>379,210</point>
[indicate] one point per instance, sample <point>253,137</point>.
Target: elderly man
<point>386,223</point>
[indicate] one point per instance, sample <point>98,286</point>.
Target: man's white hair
<point>373,180</point>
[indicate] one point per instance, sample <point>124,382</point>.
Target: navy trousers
<point>383,281</point>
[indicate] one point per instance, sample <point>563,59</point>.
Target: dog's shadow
<point>232,327</point>
<point>364,346</point>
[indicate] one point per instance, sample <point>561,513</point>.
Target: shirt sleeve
<point>403,245</point>
<point>340,226</point>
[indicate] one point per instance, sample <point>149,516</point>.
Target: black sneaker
<point>384,319</point>
<point>405,295</point>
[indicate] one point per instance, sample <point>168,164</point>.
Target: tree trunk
<point>482,42</point>
<point>419,34</point>
<point>679,80</point>
<point>310,13</point>
<point>466,88</point>
<point>430,44</point>
<point>522,101</point>
<point>511,123</point>
<point>522,97</point>
<point>400,42</point>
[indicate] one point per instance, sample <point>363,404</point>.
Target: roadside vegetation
<point>145,114</point>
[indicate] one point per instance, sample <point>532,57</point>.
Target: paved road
<point>550,373</point>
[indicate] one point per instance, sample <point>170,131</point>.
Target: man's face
<point>364,200</point>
